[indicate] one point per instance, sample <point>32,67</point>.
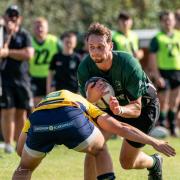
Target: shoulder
<point>125,60</point>
<point>24,32</point>
<point>85,62</point>
<point>51,37</point>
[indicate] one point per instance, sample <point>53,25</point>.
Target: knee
<point>96,151</point>
<point>125,164</point>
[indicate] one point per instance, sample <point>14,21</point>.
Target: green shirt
<point>129,43</point>
<point>126,76</point>
<point>39,64</point>
<point>167,49</point>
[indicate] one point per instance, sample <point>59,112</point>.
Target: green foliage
<point>79,14</point>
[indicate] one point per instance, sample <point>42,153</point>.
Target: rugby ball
<point>102,103</point>
<point>159,132</point>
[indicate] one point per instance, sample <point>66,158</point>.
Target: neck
<point>68,51</point>
<point>106,64</point>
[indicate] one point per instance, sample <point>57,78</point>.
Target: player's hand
<point>96,90</point>
<point>4,52</point>
<point>114,105</point>
<point>164,148</point>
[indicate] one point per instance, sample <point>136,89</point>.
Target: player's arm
<point>132,110</point>
<point>129,132</point>
<point>22,137</point>
<point>49,82</point>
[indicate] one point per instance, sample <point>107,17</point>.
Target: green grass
<point>64,164</point>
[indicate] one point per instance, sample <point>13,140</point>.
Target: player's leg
<point>20,117</point>
<point>7,124</point>
<point>134,158</point>
<point>93,145</point>
<point>90,172</point>
<point>164,101</point>
<point>27,165</point>
<point>173,107</point>
<point>20,143</point>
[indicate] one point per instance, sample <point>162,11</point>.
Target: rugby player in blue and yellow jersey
<point>67,118</point>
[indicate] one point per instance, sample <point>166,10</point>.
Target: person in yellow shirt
<point>46,46</point>
<point>63,117</point>
<point>124,39</point>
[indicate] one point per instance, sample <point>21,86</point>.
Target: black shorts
<point>18,96</point>
<point>38,86</point>
<point>172,79</point>
<point>145,122</point>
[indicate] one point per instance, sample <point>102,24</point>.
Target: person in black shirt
<point>16,95</point>
<point>63,67</point>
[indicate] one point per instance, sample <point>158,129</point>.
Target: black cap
<point>13,11</point>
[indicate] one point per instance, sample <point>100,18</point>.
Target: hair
<point>164,13</point>
<point>41,19</point>
<point>100,30</point>
<point>68,34</point>
<point>124,16</point>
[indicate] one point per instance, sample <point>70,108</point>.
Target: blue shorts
<point>64,125</point>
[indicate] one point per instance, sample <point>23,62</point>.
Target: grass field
<point>64,164</point>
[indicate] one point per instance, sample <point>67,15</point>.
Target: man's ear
<point>111,45</point>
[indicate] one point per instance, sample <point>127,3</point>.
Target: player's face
<point>168,22</point>
<point>40,29</point>
<point>125,25</point>
<point>70,42</point>
<point>99,48</point>
<point>11,23</point>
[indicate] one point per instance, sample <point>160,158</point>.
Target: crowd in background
<point>34,65</point>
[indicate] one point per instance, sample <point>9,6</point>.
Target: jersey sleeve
<point>26,126</point>
<point>153,48</point>
<point>136,82</point>
<point>94,111</point>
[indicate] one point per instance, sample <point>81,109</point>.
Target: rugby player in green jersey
<point>135,100</point>
<point>63,117</point>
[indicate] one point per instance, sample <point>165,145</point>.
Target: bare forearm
<point>21,54</point>
<point>130,111</point>
<point>122,129</point>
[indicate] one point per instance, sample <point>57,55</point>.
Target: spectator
<point>46,46</point>
<point>125,39</point>
<point>177,16</point>
<point>63,67</point>
<point>16,95</point>
<point>165,68</point>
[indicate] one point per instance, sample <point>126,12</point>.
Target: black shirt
<point>65,68</point>
<point>14,71</point>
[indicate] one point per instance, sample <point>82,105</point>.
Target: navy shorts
<point>64,125</point>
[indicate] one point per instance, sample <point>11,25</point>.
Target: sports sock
<point>154,163</point>
<point>162,118</point>
<point>171,119</point>
<point>107,176</point>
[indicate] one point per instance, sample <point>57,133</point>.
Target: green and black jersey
<point>167,49</point>
<point>39,64</point>
<point>126,76</point>
<point>129,43</point>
